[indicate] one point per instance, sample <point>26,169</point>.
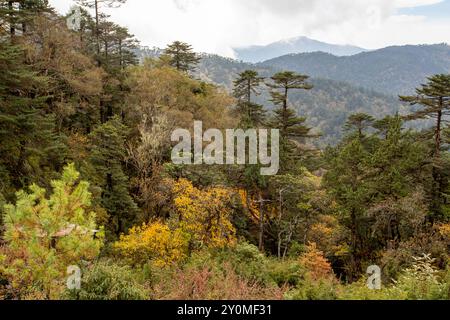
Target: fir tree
<point>434,97</point>
<point>106,158</point>
<point>181,56</point>
<point>246,86</point>
<point>292,128</point>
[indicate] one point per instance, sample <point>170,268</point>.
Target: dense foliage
<point>86,177</point>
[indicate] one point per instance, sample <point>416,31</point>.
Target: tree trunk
<point>12,27</point>
<point>438,138</point>
<point>97,31</point>
<point>261,224</point>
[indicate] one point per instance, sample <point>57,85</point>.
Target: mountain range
<point>255,54</point>
<point>368,82</point>
<point>392,70</point>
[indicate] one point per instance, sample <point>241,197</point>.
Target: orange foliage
<point>315,263</point>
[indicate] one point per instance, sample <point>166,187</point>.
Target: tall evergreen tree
<point>30,147</point>
<point>245,87</point>
<point>434,97</point>
<point>96,5</point>
<point>15,15</point>
<point>106,158</point>
<point>292,128</point>
<point>359,122</point>
<point>182,56</point>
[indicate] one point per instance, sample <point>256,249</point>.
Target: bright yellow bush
<point>205,214</point>
<point>154,243</point>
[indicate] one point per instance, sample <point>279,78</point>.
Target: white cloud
<point>415,3</point>
<point>218,25</point>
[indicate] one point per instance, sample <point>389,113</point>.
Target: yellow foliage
<point>249,204</point>
<point>153,242</point>
<point>205,214</point>
<point>444,230</point>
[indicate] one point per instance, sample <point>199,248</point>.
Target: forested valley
<point>87,180</point>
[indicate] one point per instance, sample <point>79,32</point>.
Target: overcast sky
<point>216,26</point>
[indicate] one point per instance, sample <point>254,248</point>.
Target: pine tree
<point>106,172</point>
<point>96,5</point>
<point>181,56</point>
<point>15,15</point>
<point>31,148</point>
<point>292,128</point>
<point>434,97</point>
<point>43,236</point>
<point>246,86</point>
<point>359,122</point>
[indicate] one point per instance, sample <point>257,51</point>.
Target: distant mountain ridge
<point>392,70</point>
<point>327,106</point>
<point>255,54</point>
<point>368,82</point>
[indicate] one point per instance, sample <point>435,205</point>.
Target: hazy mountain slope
<point>296,45</point>
<point>393,70</point>
<point>327,106</point>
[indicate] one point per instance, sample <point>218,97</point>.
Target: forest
<point>87,182</point>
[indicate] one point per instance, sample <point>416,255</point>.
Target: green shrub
<point>308,289</point>
<point>360,291</point>
<point>109,281</point>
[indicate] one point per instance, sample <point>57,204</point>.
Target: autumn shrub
<point>107,280</point>
<point>249,263</point>
<point>315,264</point>
<point>395,260</point>
<point>155,243</point>
<point>245,259</point>
<point>205,283</point>
<point>204,214</point>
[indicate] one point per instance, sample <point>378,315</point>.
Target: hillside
<point>327,106</point>
<point>295,45</point>
<point>392,70</point>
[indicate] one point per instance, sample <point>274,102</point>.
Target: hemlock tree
<point>292,128</point>
<point>246,86</point>
<point>106,158</point>
<point>434,97</point>
<point>181,56</point>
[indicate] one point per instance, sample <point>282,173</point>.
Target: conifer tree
<point>15,15</point>
<point>434,98</point>
<point>292,128</point>
<point>96,5</point>
<point>45,235</point>
<point>245,87</point>
<point>106,158</point>
<point>29,144</point>
<point>181,56</point>
<point>359,122</point>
